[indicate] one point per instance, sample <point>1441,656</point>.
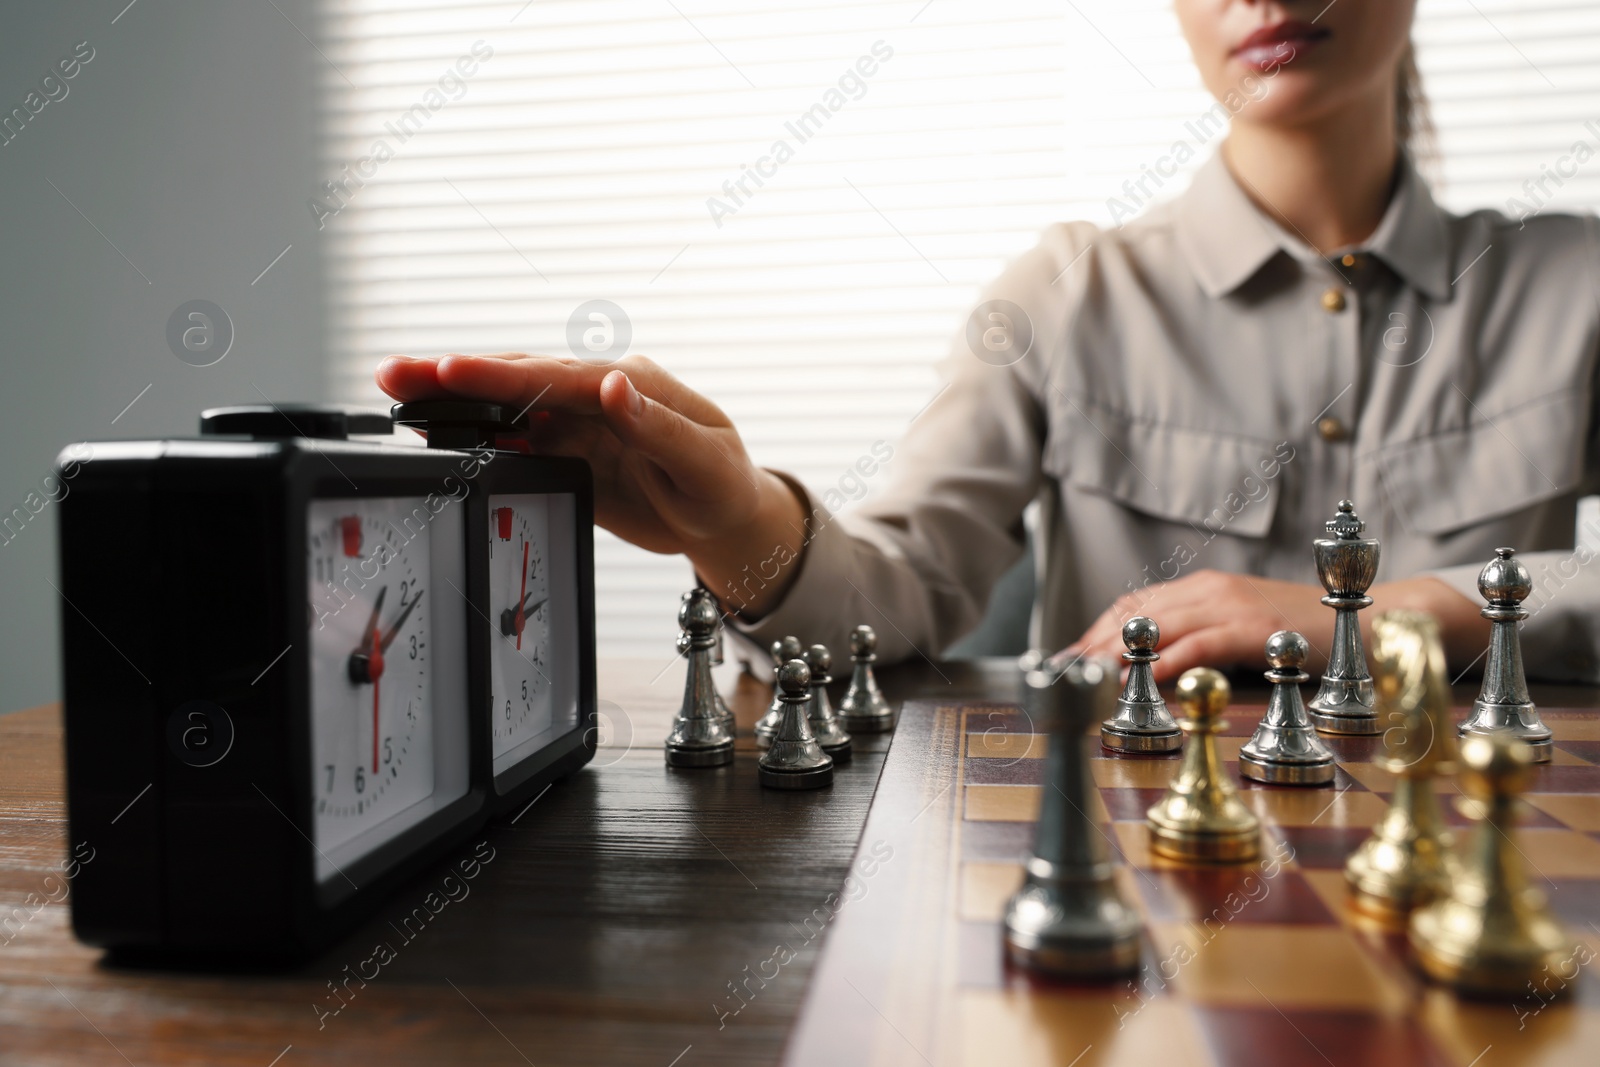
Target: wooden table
<point>616,914</point>
<point>610,927</point>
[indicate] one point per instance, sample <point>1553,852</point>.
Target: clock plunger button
<point>292,420</point>
<point>456,423</point>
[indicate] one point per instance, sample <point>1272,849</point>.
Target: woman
<point>1202,386</point>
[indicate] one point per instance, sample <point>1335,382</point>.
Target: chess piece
<point>1201,817</point>
<point>825,725</point>
<point>1503,704</point>
<point>1346,563</point>
<point>782,652</point>
<point>699,737</point>
<point>702,593</point>
<point>1069,919</point>
<point>1142,722</point>
<point>1491,933</point>
<point>1407,861</point>
<point>864,709</point>
<point>1285,749</point>
<point>794,760</point>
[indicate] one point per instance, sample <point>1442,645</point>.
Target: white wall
<point>188,143</point>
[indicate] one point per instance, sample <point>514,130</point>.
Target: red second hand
<point>522,598</point>
<point>375,669</point>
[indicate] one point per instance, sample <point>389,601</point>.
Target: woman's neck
<point>1329,181</point>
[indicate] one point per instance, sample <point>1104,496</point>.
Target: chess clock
<point>531,567</point>
<point>281,652</point>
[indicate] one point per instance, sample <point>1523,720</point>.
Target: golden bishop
<point>1407,861</point>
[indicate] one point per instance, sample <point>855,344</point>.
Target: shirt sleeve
<point>918,563</point>
<point>1561,637</point>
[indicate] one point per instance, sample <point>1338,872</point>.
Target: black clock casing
<point>183,575</point>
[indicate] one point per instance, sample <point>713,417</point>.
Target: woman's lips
<point>1274,46</point>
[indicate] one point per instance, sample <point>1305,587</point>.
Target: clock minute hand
<point>394,630</point>
<point>372,621</point>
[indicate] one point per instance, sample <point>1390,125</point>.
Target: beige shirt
<point>1200,391</point>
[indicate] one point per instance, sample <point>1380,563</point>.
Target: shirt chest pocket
<point>1210,481</point>
<point>1493,468</point>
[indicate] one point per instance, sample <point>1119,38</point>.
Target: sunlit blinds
<point>496,166</point>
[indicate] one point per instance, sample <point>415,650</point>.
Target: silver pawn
<point>782,652</point>
<point>864,709</point>
<point>825,725</point>
<point>794,760</point>
<point>699,737</point>
<point>1142,722</point>
<point>1285,749</point>
<point>1503,704</point>
<point>700,592</point>
<point>1069,919</point>
<point>1346,563</point>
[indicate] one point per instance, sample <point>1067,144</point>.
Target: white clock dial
<point>372,695</point>
<point>520,613</point>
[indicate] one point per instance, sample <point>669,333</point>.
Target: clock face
<point>532,600</point>
<point>379,646</point>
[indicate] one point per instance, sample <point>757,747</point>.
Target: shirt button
<point>1331,429</point>
<point>1333,299</point>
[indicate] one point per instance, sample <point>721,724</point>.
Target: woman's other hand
<point>1217,619</point>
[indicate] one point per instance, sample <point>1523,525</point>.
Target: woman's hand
<point>1216,619</point>
<point>671,474</point>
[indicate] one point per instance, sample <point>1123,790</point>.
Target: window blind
<point>793,204</point>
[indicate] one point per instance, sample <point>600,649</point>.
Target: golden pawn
<point>1201,817</point>
<point>1407,861</point>
<point>1492,933</point>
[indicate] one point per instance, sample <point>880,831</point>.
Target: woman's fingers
<point>542,383</point>
<point>706,464</point>
<point>405,378</point>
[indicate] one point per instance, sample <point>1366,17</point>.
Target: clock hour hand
<point>394,630</point>
<point>508,617</point>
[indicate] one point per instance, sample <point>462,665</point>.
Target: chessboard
<point>1257,964</point>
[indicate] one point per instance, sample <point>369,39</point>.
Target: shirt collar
<point>1227,239</point>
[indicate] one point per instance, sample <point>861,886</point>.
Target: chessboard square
<point>985,889</point>
<point>1558,853</point>
<point>1481,1033</point>
<point>1035,1025</point>
<point>1576,902</point>
<point>1273,967</point>
<point>1213,897</point>
<point>1017,803</point>
<point>1228,748</point>
<point>1554,778</point>
<point>1316,807</point>
<point>996,842</point>
<point>1575,725</point>
<point>1370,775</point>
<point>1133,772</point>
<point>1250,1035</point>
<point>1354,748</point>
<point>1580,811</point>
<point>1014,770</point>
<point>1130,805</point>
<point>1561,757</point>
<point>1324,847</point>
<point>1241,720</point>
<point>992,744</point>
<point>1588,751</point>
